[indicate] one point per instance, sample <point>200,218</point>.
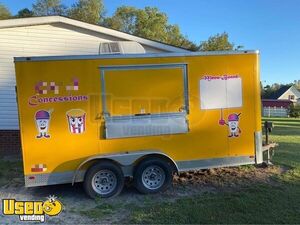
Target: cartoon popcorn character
<point>42,119</point>
<point>76,120</point>
<point>233,125</point>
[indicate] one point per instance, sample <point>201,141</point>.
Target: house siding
<point>291,91</point>
<point>41,40</point>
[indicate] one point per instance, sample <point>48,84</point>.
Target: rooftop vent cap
<point>121,47</point>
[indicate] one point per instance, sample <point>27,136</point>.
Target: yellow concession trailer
<point>100,118</point>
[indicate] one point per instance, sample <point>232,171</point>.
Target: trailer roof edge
<point>120,56</point>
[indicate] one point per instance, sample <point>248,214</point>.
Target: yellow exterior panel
<point>65,95</point>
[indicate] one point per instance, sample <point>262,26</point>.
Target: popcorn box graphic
<point>76,121</point>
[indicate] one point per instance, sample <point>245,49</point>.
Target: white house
<point>52,35</point>
<point>279,103</point>
<point>292,94</point>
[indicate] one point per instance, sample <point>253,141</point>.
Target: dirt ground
<point>79,209</point>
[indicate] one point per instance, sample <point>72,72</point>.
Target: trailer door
<point>143,100</point>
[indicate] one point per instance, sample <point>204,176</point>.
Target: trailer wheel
<point>153,175</point>
<point>104,179</point>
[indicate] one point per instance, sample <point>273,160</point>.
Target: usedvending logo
<point>32,210</point>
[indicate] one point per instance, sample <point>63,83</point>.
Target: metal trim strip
<point>258,147</point>
<point>156,115</point>
<point>122,56</point>
<point>44,179</point>
<point>214,163</point>
<point>143,66</point>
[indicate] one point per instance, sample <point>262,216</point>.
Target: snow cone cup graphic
<point>42,119</point>
<point>76,121</point>
<point>233,125</point>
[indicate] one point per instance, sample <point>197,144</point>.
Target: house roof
<point>280,92</point>
<point>32,21</point>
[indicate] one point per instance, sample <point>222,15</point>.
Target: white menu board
<point>221,92</point>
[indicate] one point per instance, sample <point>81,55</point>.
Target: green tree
<point>152,24</point>
<point>262,90</point>
<point>124,19</point>
<point>294,110</point>
<point>90,11</point>
<point>174,37</point>
<point>48,8</point>
<point>267,92</point>
<point>297,84</point>
<point>148,23</point>
<point>24,13</point>
<point>218,42</point>
<point>4,12</point>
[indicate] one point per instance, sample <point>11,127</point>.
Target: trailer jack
<point>268,147</point>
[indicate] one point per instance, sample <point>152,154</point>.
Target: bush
<point>294,111</point>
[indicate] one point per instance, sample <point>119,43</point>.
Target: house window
<point>291,97</point>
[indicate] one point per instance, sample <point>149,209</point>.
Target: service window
<point>144,100</point>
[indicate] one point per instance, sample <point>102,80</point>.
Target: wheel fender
<point>123,159</point>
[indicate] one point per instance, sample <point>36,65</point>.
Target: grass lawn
<point>274,203</point>
<point>11,172</point>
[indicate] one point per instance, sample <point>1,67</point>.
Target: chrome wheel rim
<point>153,177</point>
<point>104,182</point>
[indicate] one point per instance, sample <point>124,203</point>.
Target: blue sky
<point>271,26</point>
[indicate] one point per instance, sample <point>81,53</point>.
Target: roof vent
<point>121,47</point>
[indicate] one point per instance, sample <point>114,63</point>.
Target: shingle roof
<point>279,92</point>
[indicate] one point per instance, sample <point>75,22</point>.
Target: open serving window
<point>144,100</point>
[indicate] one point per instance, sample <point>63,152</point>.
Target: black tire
<point>142,180</point>
<point>104,179</point>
